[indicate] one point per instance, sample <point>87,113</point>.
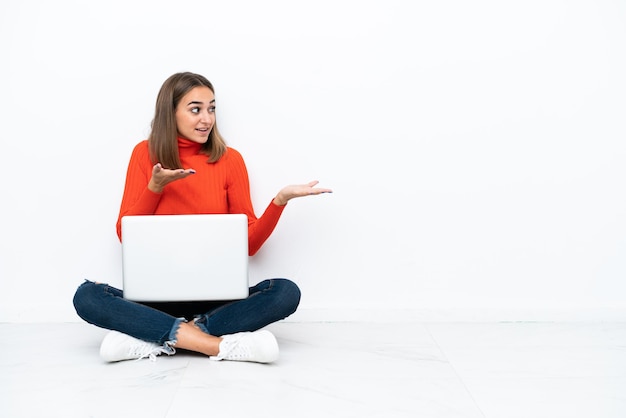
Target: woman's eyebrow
<point>197,103</point>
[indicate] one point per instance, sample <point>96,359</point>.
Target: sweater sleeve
<point>137,198</point>
<point>259,229</point>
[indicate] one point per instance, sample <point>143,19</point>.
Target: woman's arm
<point>259,229</point>
<point>144,184</point>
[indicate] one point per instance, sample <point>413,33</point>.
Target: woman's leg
<point>269,301</point>
<point>104,306</point>
<point>192,338</point>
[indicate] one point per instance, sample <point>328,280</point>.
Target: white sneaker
<point>258,346</point>
<point>117,347</point>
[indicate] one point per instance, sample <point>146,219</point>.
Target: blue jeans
<point>104,306</point>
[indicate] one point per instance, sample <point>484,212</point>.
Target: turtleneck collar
<point>187,148</point>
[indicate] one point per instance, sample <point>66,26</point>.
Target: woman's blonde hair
<point>163,139</point>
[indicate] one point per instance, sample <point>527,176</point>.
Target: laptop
<point>174,258</point>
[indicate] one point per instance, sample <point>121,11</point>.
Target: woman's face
<point>195,114</point>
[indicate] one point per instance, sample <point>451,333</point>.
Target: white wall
<point>476,149</point>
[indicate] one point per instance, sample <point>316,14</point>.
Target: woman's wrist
<point>154,188</point>
<point>279,200</point>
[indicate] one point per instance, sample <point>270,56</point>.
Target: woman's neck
<point>187,147</point>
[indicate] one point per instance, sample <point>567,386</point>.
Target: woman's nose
<point>206,116</point>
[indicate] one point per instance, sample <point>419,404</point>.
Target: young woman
<point>185,167</point>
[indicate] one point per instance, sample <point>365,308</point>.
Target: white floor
<point>490,370</point>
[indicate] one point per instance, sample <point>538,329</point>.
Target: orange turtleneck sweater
<point>221,187</point>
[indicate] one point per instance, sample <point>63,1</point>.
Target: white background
<point>476,149</point>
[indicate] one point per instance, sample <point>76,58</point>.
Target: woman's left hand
<point>298,190</point>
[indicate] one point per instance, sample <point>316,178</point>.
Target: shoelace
<point>237,351</point>
<point>150,350</point>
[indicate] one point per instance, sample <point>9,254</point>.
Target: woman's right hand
<point>161,177</point>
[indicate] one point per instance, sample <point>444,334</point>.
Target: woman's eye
<point>212,109</point>
<point>195,110</point>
